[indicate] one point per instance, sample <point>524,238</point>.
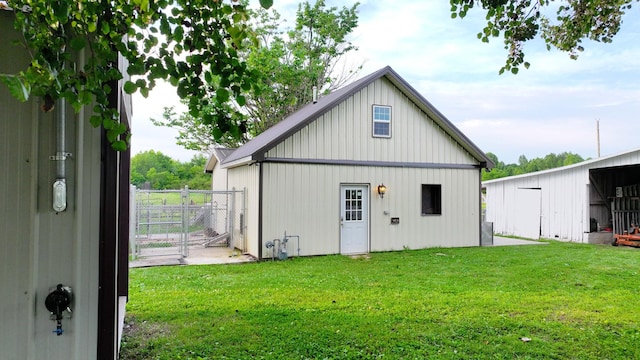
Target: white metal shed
<point>571,203</point>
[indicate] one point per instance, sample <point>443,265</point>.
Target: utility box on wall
<point>487,234</point>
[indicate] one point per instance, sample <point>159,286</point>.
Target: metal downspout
<point>259,211</point>
<point>480,207</point>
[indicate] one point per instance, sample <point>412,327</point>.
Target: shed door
<point>527,214</point>
<point>354,219</point>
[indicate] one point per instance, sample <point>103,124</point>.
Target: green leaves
<point>163,172</point>
<point>130,87</point>
<point>18,89</point>
<point>268,80</point>
<point>266,3</point>
<point>222,95</point>
<point>61,10</point>
<point>78,43</point>
<point>519,21</point>
<point>290,61</point>
<point>148,34</point>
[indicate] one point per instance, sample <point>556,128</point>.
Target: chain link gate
<point>170,222</point>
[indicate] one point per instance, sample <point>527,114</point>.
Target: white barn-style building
<point>316,175</point>
<point>570,203</point>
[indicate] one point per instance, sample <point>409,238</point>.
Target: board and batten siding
<point>565,203</point>
<point>42,248</point>
<point>241,178</point>
<point>345,133</point>
<point>304,200</point>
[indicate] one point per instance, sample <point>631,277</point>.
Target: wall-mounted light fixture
<point>382,190</point>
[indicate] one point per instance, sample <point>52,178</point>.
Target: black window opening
<point>431,199</point>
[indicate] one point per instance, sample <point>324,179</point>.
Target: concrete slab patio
<point>503,241</point>
<point>199,255</point>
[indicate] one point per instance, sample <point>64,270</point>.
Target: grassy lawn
<point>556,301</point>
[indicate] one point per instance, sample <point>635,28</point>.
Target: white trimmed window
<point>381,121</point>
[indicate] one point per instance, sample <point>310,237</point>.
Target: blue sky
<point>551,107</point>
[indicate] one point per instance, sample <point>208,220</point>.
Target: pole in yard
<point>598,135</point>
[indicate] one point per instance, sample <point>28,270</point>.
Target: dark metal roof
<point>217,156</point>
<point>221,153</point>
<point>258,146</point>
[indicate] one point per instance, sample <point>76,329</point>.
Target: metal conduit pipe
<point>60,184</point>
<point>286,238</point>
<point>279,246</point>
<point>61,132</point>
<point>282,250</point>
<point>276,245</point>
<point>298,241</point>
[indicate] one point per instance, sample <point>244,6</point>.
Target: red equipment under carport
<point>627,239</point>
<point>625,210</point>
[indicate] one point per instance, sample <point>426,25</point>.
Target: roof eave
<point>239,162</point>
<point>211,163</point>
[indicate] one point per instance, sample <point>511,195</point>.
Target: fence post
<point>185,222</point>
<point>132,222</point>
<point>243,223</point>
<point>232,219</point>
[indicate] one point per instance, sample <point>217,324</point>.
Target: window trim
<point>436,199</point>
<point>374,121</point>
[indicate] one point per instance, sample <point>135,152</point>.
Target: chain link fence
<point>170,222</point>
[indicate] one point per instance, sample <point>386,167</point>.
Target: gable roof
<point>218,155</point>
<point>255,149</point>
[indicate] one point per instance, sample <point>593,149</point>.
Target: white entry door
<point>354,219</point>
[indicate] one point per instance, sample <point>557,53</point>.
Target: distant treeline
<point>525,166</point>
<point>161,172</point>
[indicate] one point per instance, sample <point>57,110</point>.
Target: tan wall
<point>41,248</point>
<point>246,177</point>
<point>345,133</point>
<point>304,200</point>
<point>218,178</point>
<point>18,131</point>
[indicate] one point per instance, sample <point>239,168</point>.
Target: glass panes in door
<point>353,205</point>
